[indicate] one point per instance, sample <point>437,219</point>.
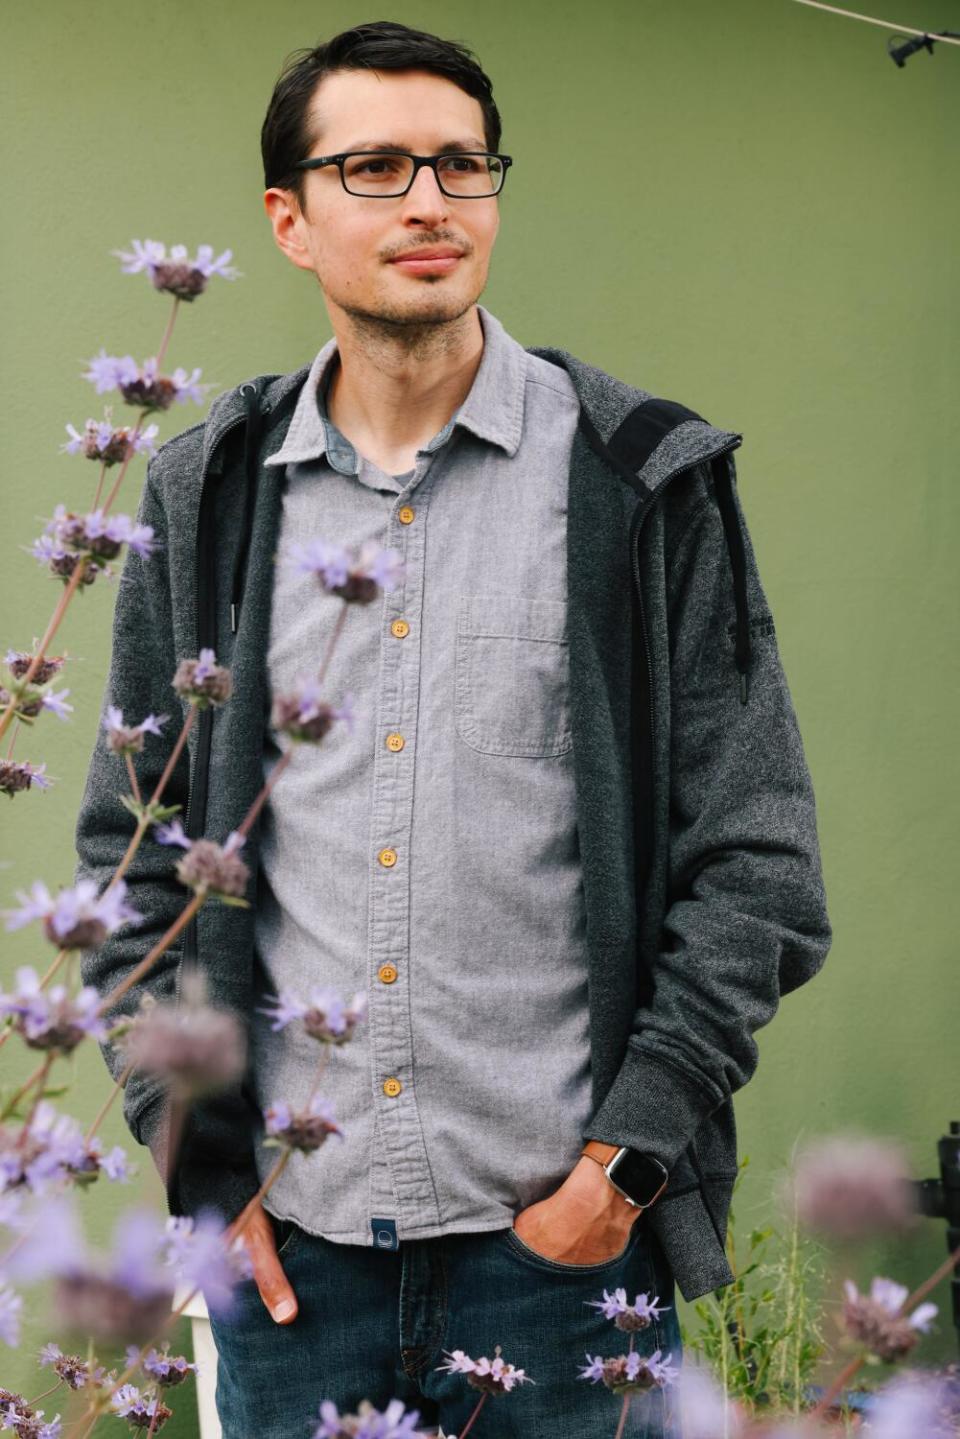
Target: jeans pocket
<point>285,1233</point>
<point>541,1261</point>
<point>512,675</point>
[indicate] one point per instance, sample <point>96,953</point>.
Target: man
<point>569,849</point>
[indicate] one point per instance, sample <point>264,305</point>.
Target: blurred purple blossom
<point>357,578</point>
<point>208,866</point>
<point>19,661</point>
<point>11,1303</point>
<point>53,1148</point>
<point>52,1018</point>
<point>202,681</point>
<point>124,1294</point>
<point>304,1129</point>
<point>78,918</point>
<point>852,1186</point>
<point>144,386</point>
<point>19,775</point>
<point>25,1421</point>
<point>368,1422</point>
<point>874,1320</point>
<point>200,1257</point>
<point>305,716</point>
<point>96,533</point>
<point>128,739</point>
<point>324,1014</point>
<point>195,1047</point>
<point>110,444</point>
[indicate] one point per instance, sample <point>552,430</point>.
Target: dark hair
<point>381,45</point>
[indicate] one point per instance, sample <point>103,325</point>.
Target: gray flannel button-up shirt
<point>430,857</point>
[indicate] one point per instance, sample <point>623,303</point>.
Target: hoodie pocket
<point>512,675</point>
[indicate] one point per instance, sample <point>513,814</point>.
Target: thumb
<point>274,1286</point>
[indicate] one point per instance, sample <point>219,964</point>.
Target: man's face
<point>350,241</point>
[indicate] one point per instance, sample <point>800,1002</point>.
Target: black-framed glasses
<point>463,175</point>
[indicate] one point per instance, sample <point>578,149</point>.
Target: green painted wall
<point>753,216</point>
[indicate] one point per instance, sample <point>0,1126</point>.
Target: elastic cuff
<point>653,1106</point>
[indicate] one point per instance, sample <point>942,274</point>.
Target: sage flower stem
<point>133,778</point>
<point>238,1225</point>
<point>181,922</point>
<point>69,590</point>
<point>168,331</point>
<point>118,1084</point>
<point>469,1424</point>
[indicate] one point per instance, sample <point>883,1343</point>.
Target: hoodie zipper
<point>205,727</point>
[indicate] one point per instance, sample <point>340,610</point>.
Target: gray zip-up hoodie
<point>695,810</point>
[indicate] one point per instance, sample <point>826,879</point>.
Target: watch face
<point>638,1175</point>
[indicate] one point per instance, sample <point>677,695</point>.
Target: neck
<point>396,386</point>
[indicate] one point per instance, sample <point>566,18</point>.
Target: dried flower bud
<point>202,681</point>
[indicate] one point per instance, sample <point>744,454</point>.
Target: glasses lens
<point>377,174</point>
<point>470,175</point>
<point>386,174</point>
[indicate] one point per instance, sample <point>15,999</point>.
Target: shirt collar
<point>492,410</point>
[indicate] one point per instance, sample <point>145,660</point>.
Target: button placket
<point>401,1181</point>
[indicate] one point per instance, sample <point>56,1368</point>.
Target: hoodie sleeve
<point>142,665</point>
<point>746,918</point>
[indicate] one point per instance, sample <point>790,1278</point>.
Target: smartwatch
<point>639,1177</point>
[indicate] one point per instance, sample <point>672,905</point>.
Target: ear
<point>287,222</point>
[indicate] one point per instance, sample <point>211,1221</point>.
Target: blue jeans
<point>374,1324</point>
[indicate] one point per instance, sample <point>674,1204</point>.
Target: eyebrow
<point>394,146</point>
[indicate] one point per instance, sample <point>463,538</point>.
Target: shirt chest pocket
<point>512,673</point>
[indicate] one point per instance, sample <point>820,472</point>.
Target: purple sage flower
<point>629,1317</point>
<point>19,661</point>
<point>110,444</point>
<point>207,866</point>
<point>357,578</point>
<point>874,1320</point>
<point>199,1255</point>
<point>202,681</point>
<point>75,1372</point>
<point>78,918</point>
<point>195,1047</point>
<point>852,1186</point>
<point>630,1373</point>
<point>176,273</point>
<point>52,1018</point>
<point>19,775</point>
<point>305,716</point>
<point>325,1016</point>
<point>143,385</point>
<point>368,1422</point>
<point>52,1149</point>
<point>166,1370</point>
<point>125,1294</point>
<point>491,1376</point>
<point>128,739</point>
<point>99,535</point>
<point>306,1129</point>
<point>139,1411</point>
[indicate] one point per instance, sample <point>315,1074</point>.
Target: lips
<point>443,253</point>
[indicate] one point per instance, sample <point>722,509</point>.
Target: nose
<point>425,200</point>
